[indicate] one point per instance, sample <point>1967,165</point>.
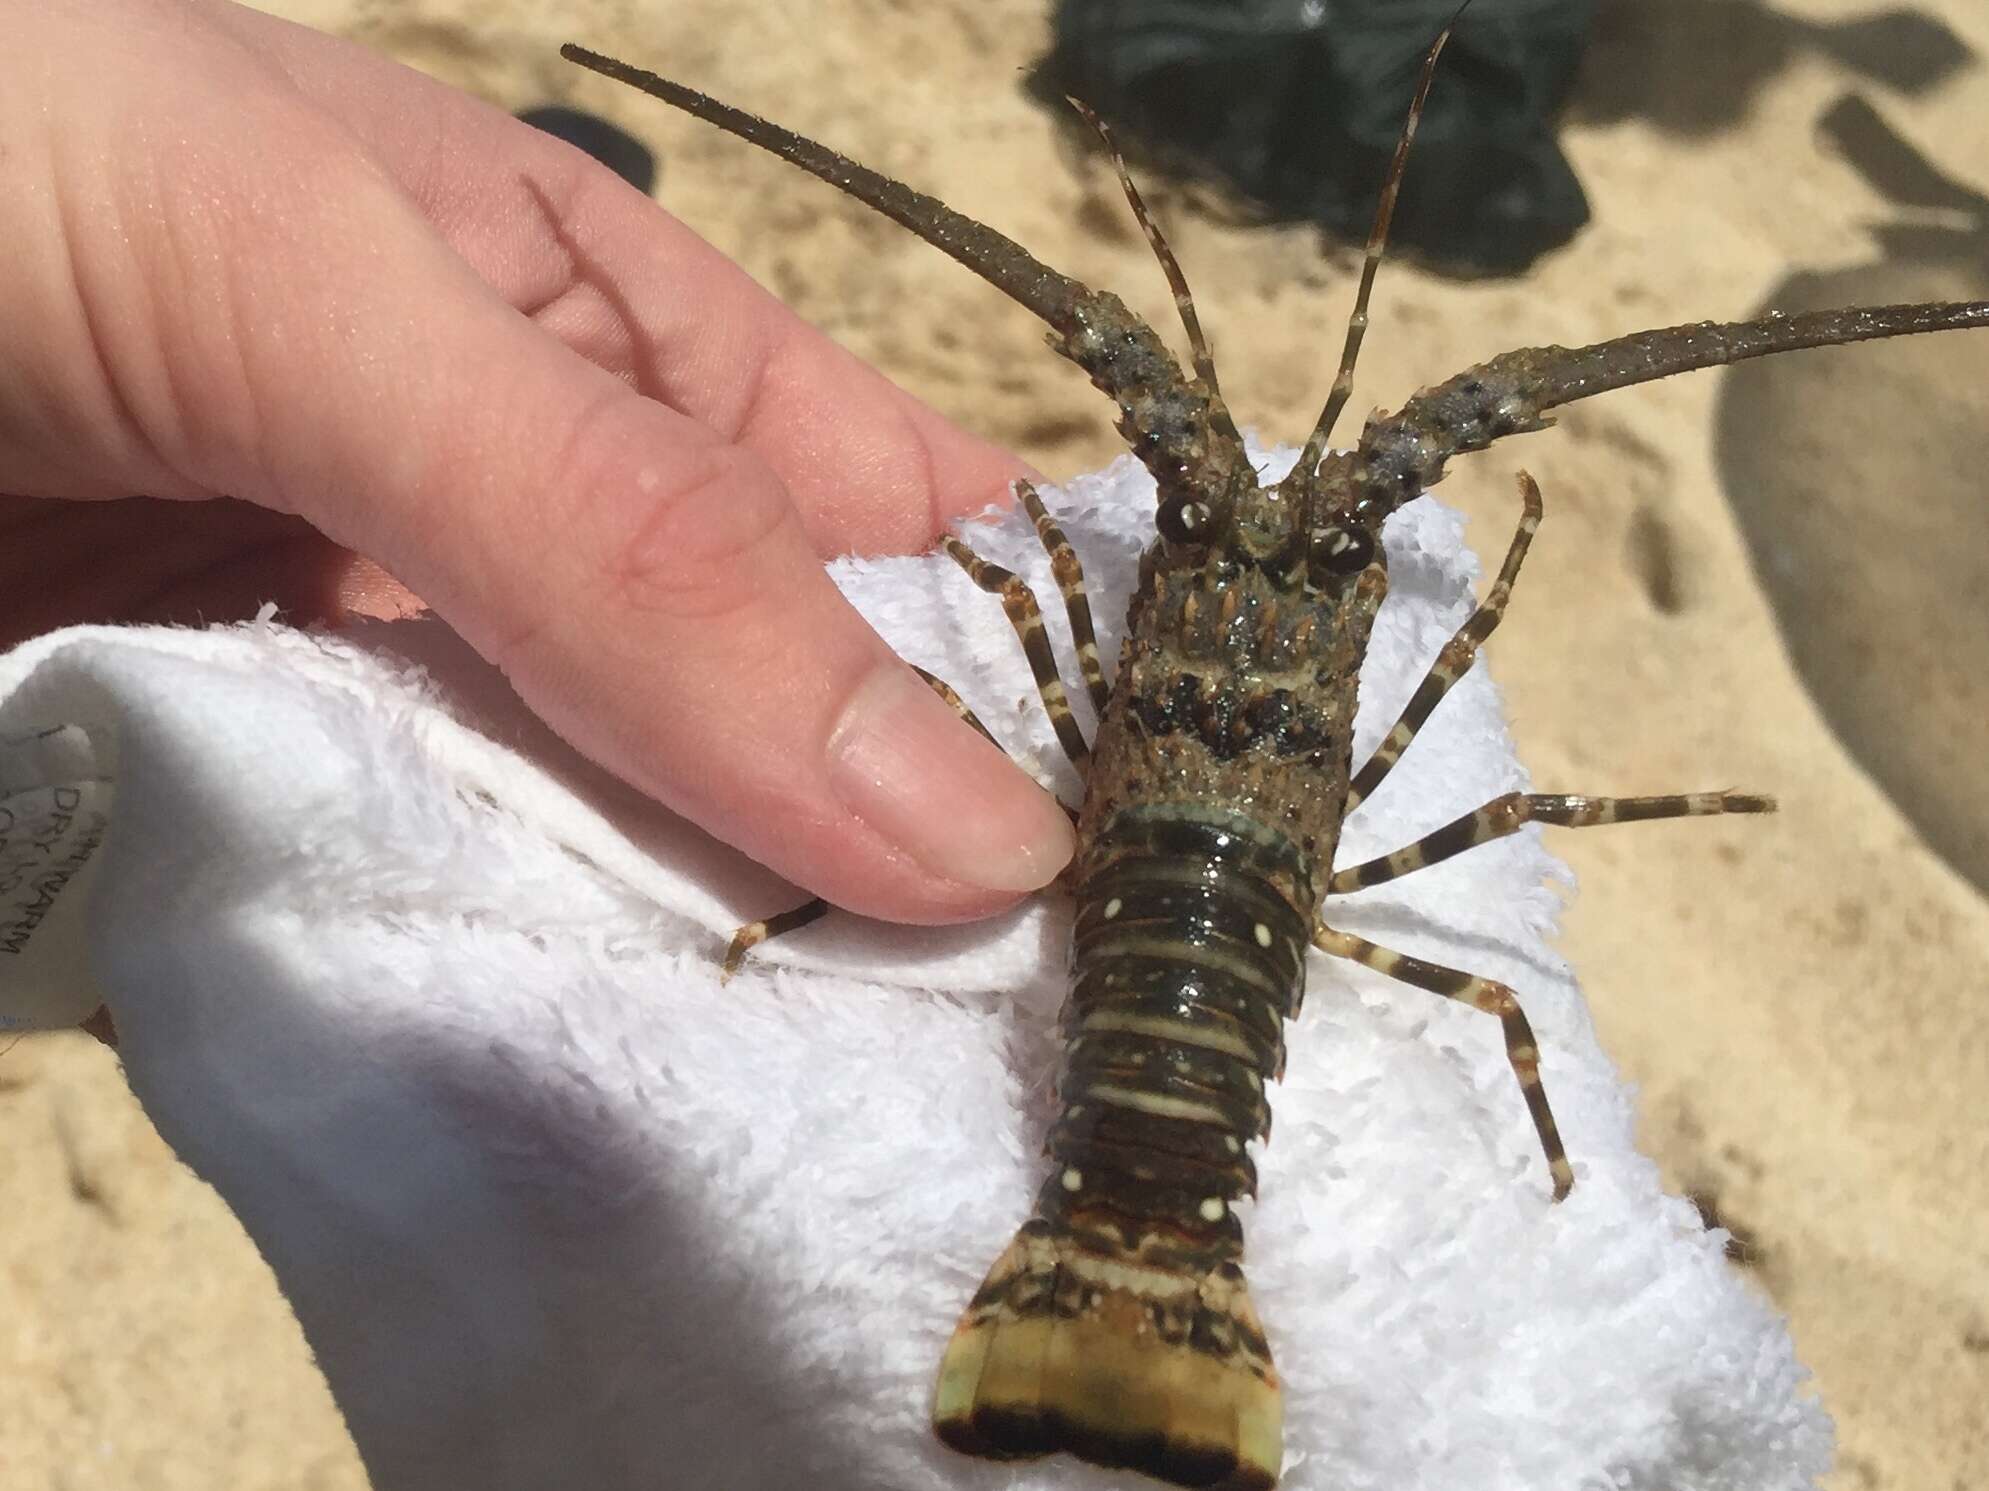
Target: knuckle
<point>692,532</point>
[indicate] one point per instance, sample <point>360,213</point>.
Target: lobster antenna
<point>1377,239</point>
<point>1405,452</point>
<point>1553,376</point>
<point>996,258</point>
<point>1184,302</point>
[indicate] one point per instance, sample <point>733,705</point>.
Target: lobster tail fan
<point>1117,1362</point>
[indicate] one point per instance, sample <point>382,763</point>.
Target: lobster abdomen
<point>1117,1325</point>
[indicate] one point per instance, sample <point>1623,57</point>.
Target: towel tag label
<point>54,813</point>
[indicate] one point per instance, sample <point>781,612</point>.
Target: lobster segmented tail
<point>1159,1371</point>
<point>1117,1325</point>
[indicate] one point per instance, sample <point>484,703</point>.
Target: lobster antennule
<point>1184,302</point>
<point>1121,1364</point>
<point>1377,241</point>
<point>996,258</point>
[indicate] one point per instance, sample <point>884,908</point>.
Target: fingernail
<point>902,761</point>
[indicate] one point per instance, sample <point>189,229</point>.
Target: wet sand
<point>1800,1000</point>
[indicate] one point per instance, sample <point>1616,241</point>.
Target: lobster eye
<point>1342,551</point>
<point>1184,520</point>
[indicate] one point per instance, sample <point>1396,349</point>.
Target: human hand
<point>360,339</point>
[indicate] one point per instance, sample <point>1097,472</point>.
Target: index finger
<point>871,469</point>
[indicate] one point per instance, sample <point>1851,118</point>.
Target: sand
<point>1800,1000</point>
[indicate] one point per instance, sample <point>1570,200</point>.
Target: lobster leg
<point>1508,814</point>
<point>1457,655</point>
<point>753,934</point>
<point>1494,998</point>
<point>951,695</point>
<point>1070,581</point>
<point>1019,601</point>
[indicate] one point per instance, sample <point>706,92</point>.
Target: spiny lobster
<point>1117,1325</point>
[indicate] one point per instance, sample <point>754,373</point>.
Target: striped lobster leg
<point>1069,570</point>
<point>1494,998</point>
<point>1512,812</point>
<point>807,913</point>
<point>1019,601</point>
<point>1457,655</point>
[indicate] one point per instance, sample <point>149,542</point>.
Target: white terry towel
<point>434,1006</point>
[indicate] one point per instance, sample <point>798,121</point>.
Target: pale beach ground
<point>1803,1000</point>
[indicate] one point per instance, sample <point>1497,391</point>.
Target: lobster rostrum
<point>1117,1325</point>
